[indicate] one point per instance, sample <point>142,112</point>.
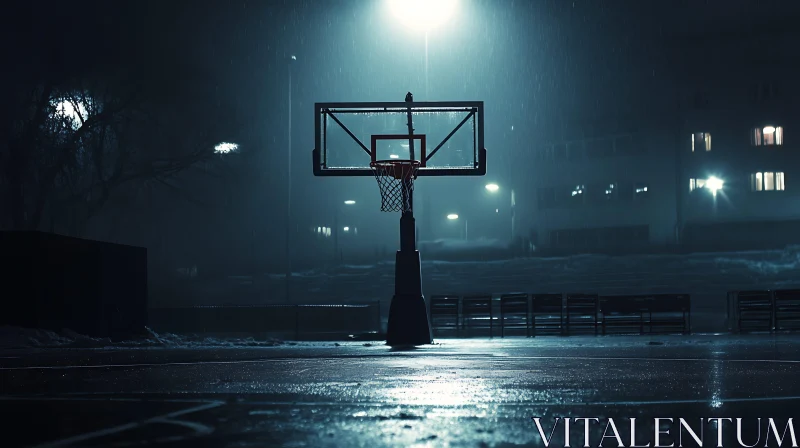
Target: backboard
<point>447,138</point>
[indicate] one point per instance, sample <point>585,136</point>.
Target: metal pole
<point>426,198</point>
<point>289,192</point>
<point>336,236</point>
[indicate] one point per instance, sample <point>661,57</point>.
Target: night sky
<point>223,67</point>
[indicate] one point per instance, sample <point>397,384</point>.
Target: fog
<point>213,72</point>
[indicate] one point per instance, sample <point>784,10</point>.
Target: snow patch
<point>17,338</point>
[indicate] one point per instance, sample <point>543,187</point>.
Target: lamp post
<point>336,225</point>
<point>288,241</point>
<point>423,15</point>
<point>455,217</point>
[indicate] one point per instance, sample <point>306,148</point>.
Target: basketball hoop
<point>393,177</point>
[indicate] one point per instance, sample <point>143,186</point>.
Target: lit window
<point>640,190</point>
<point>701,141</point>
<point>767,136</point>
<point>694,184</point>
<point>769,181</point>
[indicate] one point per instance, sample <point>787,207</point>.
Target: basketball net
<point>393,177</point>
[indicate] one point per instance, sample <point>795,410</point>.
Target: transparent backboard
<point>447,137</point>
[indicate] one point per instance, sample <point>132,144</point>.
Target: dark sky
<point>537,64</point>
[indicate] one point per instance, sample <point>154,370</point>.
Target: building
<point>609,187</point>
<point>740,159</point>
<point>715,171</point>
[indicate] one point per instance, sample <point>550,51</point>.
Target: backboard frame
<point>474,109</point>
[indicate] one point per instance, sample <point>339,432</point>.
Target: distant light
<point>714,184</point>
<point>319,229</point>
<point>492,187</point>
<point>394,156</point>
<point>294,58</point>
<point>422,15</point>
<point>497,210</point>
<point>226,148</point>
<point>452,216</point>
<point>75,116</point>
<point>769,129</point>
<point>349,202</point>
<point>346,229</point>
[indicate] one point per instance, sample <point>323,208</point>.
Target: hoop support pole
<point>409,324</point>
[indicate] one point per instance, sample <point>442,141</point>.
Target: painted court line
<point>454,357</point>
<point>127,426</point>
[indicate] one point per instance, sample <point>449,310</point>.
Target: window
<point>767,136</point>
<point>576,195</point>
<point>701,141</point>
<point>694,184</point>
<point>768,181</point>
<point>640,191</point>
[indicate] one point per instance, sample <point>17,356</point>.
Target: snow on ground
<point>19,338</point>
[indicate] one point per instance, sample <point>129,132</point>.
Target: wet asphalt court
<point>457,392</point>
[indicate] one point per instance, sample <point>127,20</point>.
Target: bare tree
<point>73,146</point>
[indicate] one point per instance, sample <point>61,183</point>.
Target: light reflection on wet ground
<point>455,393</point>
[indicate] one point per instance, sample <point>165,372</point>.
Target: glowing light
<point>714,184</point>
<point>349,202</point>
<point>226,148</point>
<point>73,112</point>
<point>769,129</point>
<point>422,15</point>
<point>452,216</point>
<point>346,229</point>
<point>492,187</point>
<point>394,156</point>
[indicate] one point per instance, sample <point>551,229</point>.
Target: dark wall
<point>55,282</point>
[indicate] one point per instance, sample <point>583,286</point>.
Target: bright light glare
<point>66,110</point>
<point>492,187</point>
<point>452,216</point>
<point>394,156</point>
<point>349,202</point>
<point>226,148</point>
<point>769,129</point>
<point>346,229</point>
<point>422,15</point>
<point>714,184</point>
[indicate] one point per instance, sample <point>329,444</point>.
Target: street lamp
<point>423,15</point>
<point>288,241</point>
<point>714,184</point>
<point>338,229</point>
<point>454,217</point>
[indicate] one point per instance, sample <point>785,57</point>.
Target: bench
<point>444,312</point>
<point>582,310</point>
<point>787,310</point>
<point>547,314</point>
<point>624,314</point>
<point>670,313</point>
<point>476,312</point>
<point>754,311</point>
<point>514,313</point>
